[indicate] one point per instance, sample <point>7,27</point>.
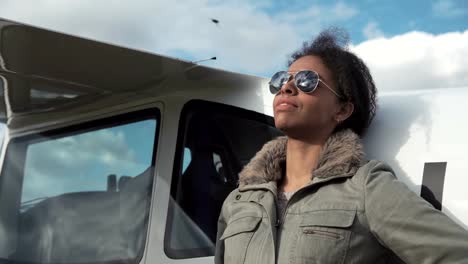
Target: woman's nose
<point>289,87</point>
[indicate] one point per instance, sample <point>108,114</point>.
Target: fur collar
<point>341,155</point>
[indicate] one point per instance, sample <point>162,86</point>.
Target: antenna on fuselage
<point>212,58</point>
<point>216,22</point>
<point>198,61</point>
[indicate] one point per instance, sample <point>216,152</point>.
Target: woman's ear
<point>345,111</point>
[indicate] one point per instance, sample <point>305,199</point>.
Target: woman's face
<point>302,115</point>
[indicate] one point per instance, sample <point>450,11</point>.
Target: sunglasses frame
<point>293,75</point>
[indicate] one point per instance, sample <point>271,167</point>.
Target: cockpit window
<point>79,195</point>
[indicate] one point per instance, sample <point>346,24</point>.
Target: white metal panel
<point>412,128</point>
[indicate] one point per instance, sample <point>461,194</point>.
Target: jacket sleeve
<point>408,225</point>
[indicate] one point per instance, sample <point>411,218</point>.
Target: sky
<point>406,44</point>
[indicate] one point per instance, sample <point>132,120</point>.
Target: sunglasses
<point>306,81</point>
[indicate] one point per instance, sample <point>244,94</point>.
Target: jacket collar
<point>341,156</point>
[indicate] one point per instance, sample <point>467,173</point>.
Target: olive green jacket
<point>350,212</point>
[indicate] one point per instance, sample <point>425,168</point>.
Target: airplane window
<point>79,195</point>
<point>220,140</point>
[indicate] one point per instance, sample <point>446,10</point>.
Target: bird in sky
<point>215,21</point>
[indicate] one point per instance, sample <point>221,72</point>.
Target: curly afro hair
<point>350,74</point>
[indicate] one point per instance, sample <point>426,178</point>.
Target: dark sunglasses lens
<point>306,81</point>
<point>277,81</point>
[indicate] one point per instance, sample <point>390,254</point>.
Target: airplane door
<point>214,141</point>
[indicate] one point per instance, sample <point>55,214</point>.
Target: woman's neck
<point>301,159</point>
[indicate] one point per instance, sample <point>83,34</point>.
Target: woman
<point>310,197</point>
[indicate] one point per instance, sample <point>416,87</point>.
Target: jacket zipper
<point>280,220</point>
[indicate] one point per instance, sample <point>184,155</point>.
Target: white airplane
<point>111,155</point>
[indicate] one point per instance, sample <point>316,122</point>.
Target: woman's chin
<point>281,124</point>
<point>286,127</point>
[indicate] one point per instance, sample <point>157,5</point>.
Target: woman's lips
<point>284,104</point>
<point>285,107</point>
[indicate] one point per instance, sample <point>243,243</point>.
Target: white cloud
<point>417,60</point>
<point>308,20</point>
<point>344,11</point>
<point>447,8</point>
<point>246,37</point>
<point>372,30</point>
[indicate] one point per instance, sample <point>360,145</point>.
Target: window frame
<point>152,113</point>
<point>198,105</point>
